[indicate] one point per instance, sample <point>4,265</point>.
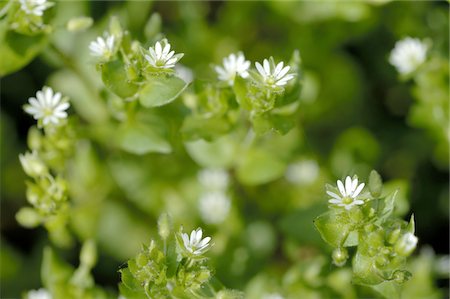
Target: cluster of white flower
<point>161,57</point>
<point>103,47</point>
<point>349,194</point>
<point>194,243</point>
<point>271,75</point>
<point>214,203</point>
<point>47,106</point>
<point>408,54</point>
<point>234,64</point>
<point>34,7</point>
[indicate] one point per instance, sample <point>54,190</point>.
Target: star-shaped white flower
<point>349,194</point>
<point>34,7</point>
<point>161,57</point>
<point>274,76</point>
<point>232,65</point>
<point>47,106</point>
<point>195,244</point>
<point>408,54</point>
<point>103,47</point>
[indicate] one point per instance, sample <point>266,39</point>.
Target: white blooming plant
<point>365,220</point>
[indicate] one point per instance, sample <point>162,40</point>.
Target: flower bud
<point>28,217</point>
<point>406,244</point>
<point>33,165</point>
<point>164,226</point>
<point>394,235</point>
<point>88,255</point>
<point>340,256</point>
<point>79,24</point>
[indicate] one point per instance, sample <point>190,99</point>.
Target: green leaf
<point>219,153</point>
<point>375,184</point>
<point>161,90</point>
<point>386,207</point>
<point>365,271</point>
<point>198,127</point>
<point>115,78</point>
<point>140,139</point>
<point>17,50</point>
<point>334,228</point>
<point>389,289</point>
<point>259,167</point>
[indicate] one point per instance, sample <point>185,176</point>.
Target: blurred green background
<point>356,116</point>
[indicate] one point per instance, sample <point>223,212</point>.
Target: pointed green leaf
<point>375,184</point>
<point>161,90</point>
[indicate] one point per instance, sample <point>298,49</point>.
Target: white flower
<point>349,193</point>
<point>408,54</point>
<point>406,244</point>
<point>32,164</point>
<point>195,244</point>
<point>274,76</point>
<point>103,47</point>
<point>161,56</point>
<point>303,172</point>
<point>47,106</point>
<point>34,7</point>
<point>213,179</point>
<point>214,207</point>
<point>232,65</point>
<point>39,294</point>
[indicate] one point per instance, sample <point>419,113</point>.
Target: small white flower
<point>213,179</point>
<point>34,7</point>
<point>195,244</point>
<point>232,65</point>
<point>274,76</point>
<point>349,193</point>
<point>406,244</point>
<point>47,106</point>
<point>214,207</point>
<point>161,56</point>
<point>303,172</point>
<point>32,164</point>
<point>103,47</point>
<point>408,54</point>
<point>39,294</point>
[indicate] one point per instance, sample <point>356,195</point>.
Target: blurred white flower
<point>213,179</point>
<point>161,56</point>
<point>39,294</point>
<point>34,7</point>
<point>184,73</point>
<point>103,46</point>
<point>349,193</point>
<point>408,54</point>
<point>195,244</point>
<point>273,296</point>
<point>274,76</point>
<point>232,65</point>
<point>47,106</point>
<point>214,207</point>
<point>32,164</point>
<point>303,172</point>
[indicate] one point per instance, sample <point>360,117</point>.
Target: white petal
<point>266,66</point>
<point>358,190</point>
<point>341,188</point>
<point>332,194</point>
<point>260,69</point>
<point>348,185</point>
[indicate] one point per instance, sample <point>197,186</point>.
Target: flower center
<point>347,200</point>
